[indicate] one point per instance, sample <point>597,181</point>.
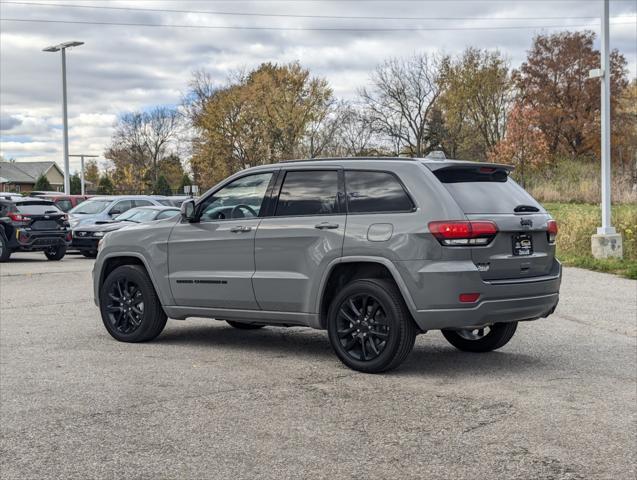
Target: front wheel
<point>55,253</point>
<point>484,339</point>
<point>129,305</point>
<point>369,326</point>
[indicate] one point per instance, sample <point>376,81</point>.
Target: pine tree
<point>76,184</point>
<point>162,187</point>
<point>42,184</point>
<point>105,186</point>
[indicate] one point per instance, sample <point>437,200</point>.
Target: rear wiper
<point>525,208</point>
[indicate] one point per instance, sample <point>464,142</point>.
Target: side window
<point>311,192</point>
<point>167,214</point>
<point>64,205</point>
<point>239,199</point>
<point>122,206</point>
<point>142,203</point>
<point>369,192</point>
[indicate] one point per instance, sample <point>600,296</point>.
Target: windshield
<point>91,206</point>
<point>137,215</point>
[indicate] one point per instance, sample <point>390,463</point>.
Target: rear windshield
<point>485,190</point>
<point>91,206</point>
<point>37,208</point>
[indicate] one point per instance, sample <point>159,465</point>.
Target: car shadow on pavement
<point>294,340</point>
<point>428,357</point>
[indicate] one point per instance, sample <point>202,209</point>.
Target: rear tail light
<point>16,217</point>
<point>551,231</point>
<point>462,233</point>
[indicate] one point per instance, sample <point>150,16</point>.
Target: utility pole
<point>62,48</point>
<point>82,156</point>
<point>606,243</point>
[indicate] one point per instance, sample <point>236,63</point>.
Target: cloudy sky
<point>139,65</point>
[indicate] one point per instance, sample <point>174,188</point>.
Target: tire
<point>5,253</point>
<point>56,253</point>
<point>138,315</point>
<point>373,335</point>
<point>498,336</point>
<point>89,253</point>
<point>244,326</point>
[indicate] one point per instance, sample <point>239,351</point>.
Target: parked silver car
<point>373,250</point>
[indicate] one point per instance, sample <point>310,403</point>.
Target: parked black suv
<point>33,224</point>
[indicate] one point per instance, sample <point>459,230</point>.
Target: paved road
<point>207,401</point>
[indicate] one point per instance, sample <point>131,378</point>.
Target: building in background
<point>21,176</point>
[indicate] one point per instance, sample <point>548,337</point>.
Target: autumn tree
<point>91,172</point>
<point>476,94</point>
<point>524,145</point>
<point>262,116</point>
<point>554,82</point>
<point>400,101</point>
<point>171,169</point>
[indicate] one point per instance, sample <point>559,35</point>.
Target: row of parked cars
<point>54,223</point>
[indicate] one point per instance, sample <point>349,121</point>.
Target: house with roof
<point>21,176</point>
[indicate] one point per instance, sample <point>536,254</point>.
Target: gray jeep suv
<point>374,250</point>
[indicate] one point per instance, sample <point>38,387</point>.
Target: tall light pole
<point>62,48</point>
<point>607,243</point>
<point>82,156</point>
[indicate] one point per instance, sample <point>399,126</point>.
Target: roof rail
<point>320,159</point>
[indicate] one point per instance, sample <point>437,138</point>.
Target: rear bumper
<point>29,240</point>
<point>435,293</point>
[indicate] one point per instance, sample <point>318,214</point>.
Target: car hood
<point>104,227</point>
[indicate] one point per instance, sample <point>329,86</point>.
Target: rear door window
<point>485,190</point>
<point>308,192</point>
<point>375,192</point>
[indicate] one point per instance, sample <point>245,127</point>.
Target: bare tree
<point>356,133</point>
<point>401,100</point>
<point>146,137</point>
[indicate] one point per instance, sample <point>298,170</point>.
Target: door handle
<point>326,226</point>
<point>240,229</point>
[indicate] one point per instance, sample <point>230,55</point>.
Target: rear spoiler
<point>459,164</point>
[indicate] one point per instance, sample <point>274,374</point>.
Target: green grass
<point>578,221</point>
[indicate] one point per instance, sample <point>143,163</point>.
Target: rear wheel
<point>5,253</point>
<point>129,305</point>
<point>485,339</point>
<point>369,326</point>
<point>89,253</point>
<point>244,326</point>
<point>56,253</point>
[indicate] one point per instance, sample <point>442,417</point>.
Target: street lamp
<point>62,48</point>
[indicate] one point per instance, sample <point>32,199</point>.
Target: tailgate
<point>521,247</point>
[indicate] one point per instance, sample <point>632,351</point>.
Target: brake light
<point>17,217</point>
<point>462,233</point>
<point>551,231</point>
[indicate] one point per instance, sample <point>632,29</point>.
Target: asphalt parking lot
<point>208,401</point>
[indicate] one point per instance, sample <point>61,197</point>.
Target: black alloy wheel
<point>130,308</point>
<point>362,327</point>
<point>126,306</point>
<point>369,326</point>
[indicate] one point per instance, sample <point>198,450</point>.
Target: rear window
<point>369,192</point>
<point>485,190</point>
<point>36,208</point>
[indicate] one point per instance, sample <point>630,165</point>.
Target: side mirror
<point>114,212</point>
<point>188,210</point>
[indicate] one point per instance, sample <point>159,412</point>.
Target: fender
<point>369,259</point>
<point>164,297</point>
